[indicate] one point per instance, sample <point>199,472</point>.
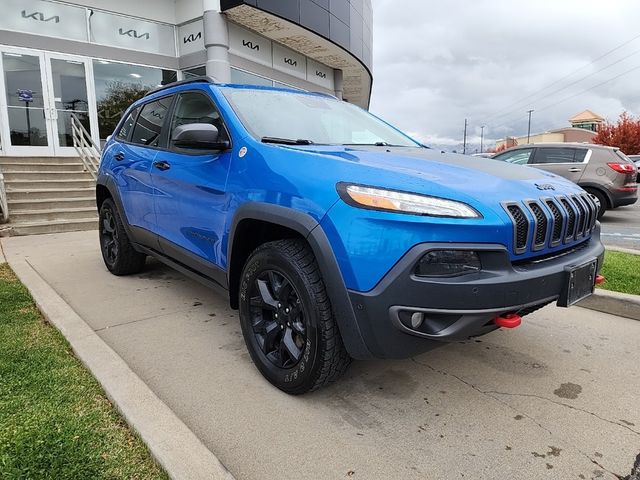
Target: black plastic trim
<point>309,228</point>
<point>501,287</point>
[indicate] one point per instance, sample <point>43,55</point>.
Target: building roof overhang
<point>357,79</point>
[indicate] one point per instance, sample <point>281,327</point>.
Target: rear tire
<point>118,253</point>
<point>604,205</point>
<point>287,320</point>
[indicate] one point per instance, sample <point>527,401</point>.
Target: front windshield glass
<point>272,114</point>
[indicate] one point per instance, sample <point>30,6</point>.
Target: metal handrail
<point>4,205</point>
<point>87,149</point>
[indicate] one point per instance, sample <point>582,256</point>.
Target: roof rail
<point>201,79</point>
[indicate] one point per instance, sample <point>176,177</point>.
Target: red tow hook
<point>600,279</point>
<point>509,320</point>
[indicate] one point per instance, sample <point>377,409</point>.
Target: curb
<point>623,250</point>
<point>174,446</point>
<point>614,303</point>
<point>2,259</point>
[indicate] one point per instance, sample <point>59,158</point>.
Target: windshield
<point>277,116</point>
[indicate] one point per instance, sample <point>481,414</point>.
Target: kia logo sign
<point>250,45</point>
<point>192,38</point>
<point>40,17</point>
<point>291,61</point>
<point>134,34</point>
<point>321,74</point>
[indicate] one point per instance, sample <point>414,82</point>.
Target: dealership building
<point>91,58</point>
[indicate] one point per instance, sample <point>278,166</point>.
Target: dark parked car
<point>636,159</point>
<point>336,235</point>
<point>604,172</point>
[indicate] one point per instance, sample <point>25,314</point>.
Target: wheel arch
<point>594,186</point>
<point>290,223</point>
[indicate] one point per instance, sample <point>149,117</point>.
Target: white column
<point>337,83</point>
<point>216,41</point>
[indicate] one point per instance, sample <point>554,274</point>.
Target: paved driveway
<point>555,398</point>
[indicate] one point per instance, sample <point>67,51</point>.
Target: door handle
<point>575,170</point>
<point>162,165</point>
<point>119,156</point>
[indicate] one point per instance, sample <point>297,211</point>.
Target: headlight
<point>403,202</point>
<point>448,263</point>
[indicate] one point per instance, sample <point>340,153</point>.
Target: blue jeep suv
<point>334,234</point>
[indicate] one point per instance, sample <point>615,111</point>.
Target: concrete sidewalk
<point>555,398</point>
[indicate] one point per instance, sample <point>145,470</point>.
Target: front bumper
<point>457,308</point>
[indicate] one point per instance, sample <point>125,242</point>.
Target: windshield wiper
<point>286,141</point>
<point>376,144</point>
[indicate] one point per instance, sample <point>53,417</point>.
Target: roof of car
<point>562,144</point>
<point>212,81</point>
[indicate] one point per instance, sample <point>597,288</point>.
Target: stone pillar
<point>337,83</point>
<point>216,42</point>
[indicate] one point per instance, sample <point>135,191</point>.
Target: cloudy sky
<point>437,62</point>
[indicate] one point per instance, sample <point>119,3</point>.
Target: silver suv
<point>604,172</point>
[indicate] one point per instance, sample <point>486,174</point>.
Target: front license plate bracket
<point>580,282</point>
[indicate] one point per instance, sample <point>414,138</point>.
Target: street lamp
<point>482,137</point>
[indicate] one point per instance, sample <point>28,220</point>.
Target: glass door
<point>41,93</point>
<point>26,125</point>
<point>69,96</point>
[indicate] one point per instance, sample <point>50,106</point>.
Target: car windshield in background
<point>293,118</point>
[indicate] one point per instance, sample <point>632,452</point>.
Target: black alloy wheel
<point>277,319</point>
<point>109,237</point>
<point>118,253</point>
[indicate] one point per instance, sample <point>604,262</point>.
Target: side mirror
<point>198,136</point>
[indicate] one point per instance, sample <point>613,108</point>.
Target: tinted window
<point>555,155</point>
<point>580,154</point>
<point>193,107</point>
<point>519,157</point>
<point>127,125</point>
<point>149,124</point>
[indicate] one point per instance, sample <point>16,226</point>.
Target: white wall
<point>188,10</point>
<point>159,10</point>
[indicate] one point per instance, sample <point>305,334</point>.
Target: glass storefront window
<point>25,99</point>
<point>118,85</point>
<point>194,72</point>
<point>246,78</point>
<point>70,95</point>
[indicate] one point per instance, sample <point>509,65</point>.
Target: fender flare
<point>312,232</point>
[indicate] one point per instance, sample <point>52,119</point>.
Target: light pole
<point>482,137</point>
<point>529,128</point>
<point>464,141</point>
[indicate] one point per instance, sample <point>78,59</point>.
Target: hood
<point>426,171</point>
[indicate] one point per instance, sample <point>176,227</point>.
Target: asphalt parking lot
<point>555,398</point>
<point>621,227</point>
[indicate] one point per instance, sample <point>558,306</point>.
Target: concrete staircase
<point>48,195</point>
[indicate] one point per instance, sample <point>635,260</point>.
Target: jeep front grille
<point>551,221</point>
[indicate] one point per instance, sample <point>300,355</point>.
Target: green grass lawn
<point>55,420</point>
<point>622,272</point>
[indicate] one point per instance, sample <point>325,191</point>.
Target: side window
<point>519,157</point>
<point>580,154</point>
<point>194,107</point>
<point>150,121</point>
<point>554,155</point>
<point>127,125</point>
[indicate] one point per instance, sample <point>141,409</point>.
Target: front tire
<point>287,320</point>
<point>118,253</point>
